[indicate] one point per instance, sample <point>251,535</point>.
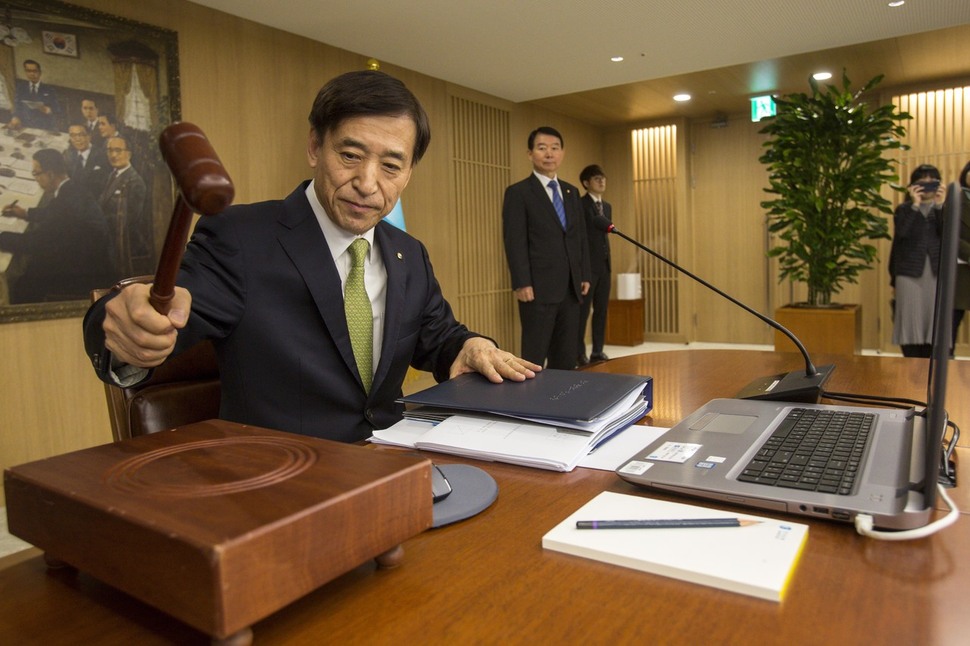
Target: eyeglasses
<point>37,173</point>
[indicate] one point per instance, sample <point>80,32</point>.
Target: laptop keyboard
<point>813,450</point>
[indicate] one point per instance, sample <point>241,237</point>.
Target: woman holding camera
<point>914,259</point>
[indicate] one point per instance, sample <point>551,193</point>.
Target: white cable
<point>863,524</point>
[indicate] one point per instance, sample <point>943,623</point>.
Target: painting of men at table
<point>98,212</point>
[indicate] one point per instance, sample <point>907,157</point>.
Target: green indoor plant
<point>827,163</point>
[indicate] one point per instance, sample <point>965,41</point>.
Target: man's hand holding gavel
<point>136,333</point>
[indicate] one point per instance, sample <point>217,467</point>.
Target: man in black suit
<point>65,244</point>
<point>593,180</point>
<point>90,113</point>
<point>86,164</point>
<point>548,255</point>
<point>123,201</point>
<point>36,104</point>
<point>275,286</point>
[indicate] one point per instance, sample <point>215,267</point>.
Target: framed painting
<point>85,196</point>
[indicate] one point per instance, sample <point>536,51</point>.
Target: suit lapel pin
<point>400,256</point>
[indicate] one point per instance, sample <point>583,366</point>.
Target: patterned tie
<point>360,317</point>
<point>557,203</point>
<point>599,208</point>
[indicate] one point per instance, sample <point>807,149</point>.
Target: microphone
<point>796,386</point>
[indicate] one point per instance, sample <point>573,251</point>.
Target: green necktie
<point>360,317</point>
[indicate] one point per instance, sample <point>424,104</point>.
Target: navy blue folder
<point>572,395</point>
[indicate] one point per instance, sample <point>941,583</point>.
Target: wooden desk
<point>488,581</point>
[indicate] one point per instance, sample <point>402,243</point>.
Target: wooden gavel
<point>204,187</point>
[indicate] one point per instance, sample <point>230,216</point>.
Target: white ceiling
<point>523,50</point>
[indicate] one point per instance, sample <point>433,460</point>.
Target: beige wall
<point>249,88</point>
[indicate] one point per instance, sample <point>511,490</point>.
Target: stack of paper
<point>550,422</point>
<point>757,559</point>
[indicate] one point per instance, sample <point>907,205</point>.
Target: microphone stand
<point>794,386</point>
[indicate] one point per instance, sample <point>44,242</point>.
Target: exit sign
<point>762,106</point>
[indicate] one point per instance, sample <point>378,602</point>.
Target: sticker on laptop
<point>716,459</point>
<point>705,465</point>
<point>636,467</point>
<point>674,452</point>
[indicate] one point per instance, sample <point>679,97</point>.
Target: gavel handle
<point>163,289</point>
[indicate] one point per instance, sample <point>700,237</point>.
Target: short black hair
<point>964,176</point>
<point>31,61</point>
<point>51,160</point>
<point>589,173</point>
<point>545,130</point>
<point>368,93</point>
<point>109,117</point>
<point>925,170</point>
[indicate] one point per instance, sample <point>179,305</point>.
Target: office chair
<point>183,390</point>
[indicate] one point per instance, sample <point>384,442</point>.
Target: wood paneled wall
<point>660,226</point>
<point>481,162</point>
<point>250,89</point>
<point>717,228</point>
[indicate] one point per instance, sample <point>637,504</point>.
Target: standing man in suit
<point>593,180</point>
<point>86,164</point>
<point>123,202</point>
<point>548,255</point>
<point>36,104</point>
<point>90,113</point>
<point>315,307</point>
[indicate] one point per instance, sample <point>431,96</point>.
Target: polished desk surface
<point>487,580</point>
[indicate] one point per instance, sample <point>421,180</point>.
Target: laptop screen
<point>942,337</point>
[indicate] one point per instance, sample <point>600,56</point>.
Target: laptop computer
<point>724,451</point>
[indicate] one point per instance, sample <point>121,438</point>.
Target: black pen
<point>661,523</point>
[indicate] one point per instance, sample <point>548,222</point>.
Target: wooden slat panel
<point>655,176</point>
<point>482,169</point>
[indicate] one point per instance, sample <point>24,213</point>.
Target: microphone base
<point>793,386</point>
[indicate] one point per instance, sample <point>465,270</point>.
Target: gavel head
<point>202,179</point>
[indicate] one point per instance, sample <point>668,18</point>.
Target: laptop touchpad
<point>721,423</point>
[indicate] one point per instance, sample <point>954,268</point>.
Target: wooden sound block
<point>220,524</point>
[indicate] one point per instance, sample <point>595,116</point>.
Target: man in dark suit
<point>65,244</point>
<point>270,284</point>
<point>36,104</point>
<point>593,180</point>
<point>86,164</point>
<point>548,255</point>
<point>124,204</point>
<point>90,113</point>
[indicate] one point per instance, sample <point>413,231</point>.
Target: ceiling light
<point>617,59</point>
<point>822,76</point>
<point>897,3</point>
<point>681,97</point>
